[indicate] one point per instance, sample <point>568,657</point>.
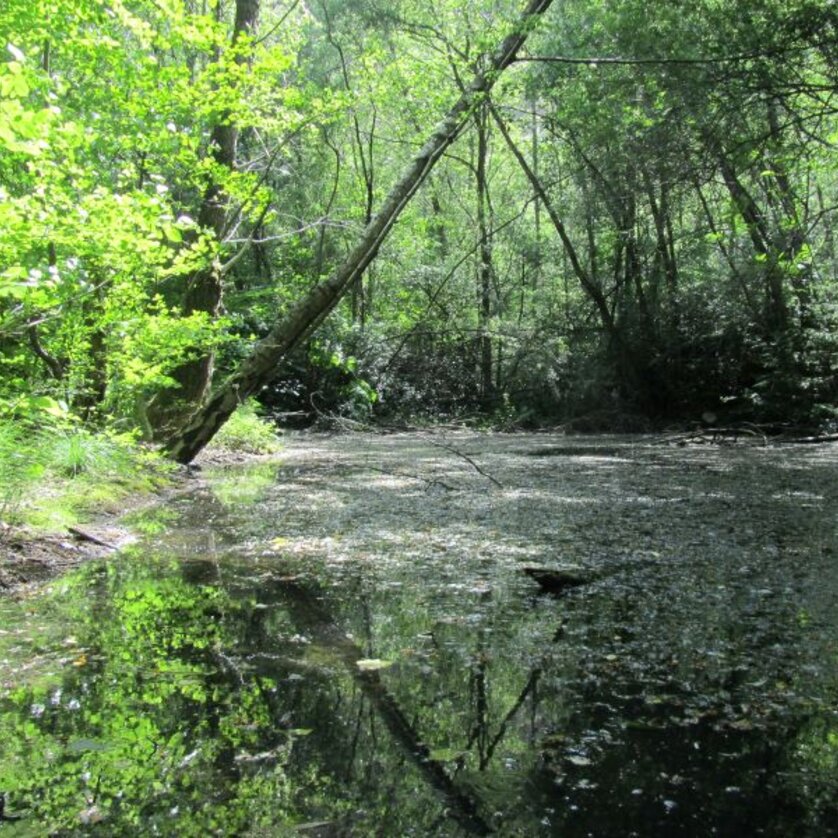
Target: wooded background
<point>620,210</point>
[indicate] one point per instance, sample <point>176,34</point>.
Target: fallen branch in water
<point>429,482</point>
<point>777,433</point>
<point>715,435</point>
<point>468,459</point>
<point>86,536</point>
<point>810,440</point>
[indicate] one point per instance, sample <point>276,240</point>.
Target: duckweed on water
<point>351,647</point>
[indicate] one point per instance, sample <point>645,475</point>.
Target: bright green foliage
<point>73,453</point>
<point>248,432</point>
<point>19,467</point>
<point>165,731</point>
<point>688,150</point>
<point>103,162</point>
<point>85,240</point>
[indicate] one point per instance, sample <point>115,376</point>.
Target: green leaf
<point>172,233</point>
<point>47,404</point>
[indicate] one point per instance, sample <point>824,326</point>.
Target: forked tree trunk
<point>261,365</point>
<point>586,280</point>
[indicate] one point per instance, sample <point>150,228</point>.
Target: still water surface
<point>343,643</point>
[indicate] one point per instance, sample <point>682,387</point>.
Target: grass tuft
<point>55,477</point>
<point>247,432</point>
<point>80,452</point>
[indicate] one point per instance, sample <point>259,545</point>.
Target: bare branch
<point>468,459</point>
<point>595,61</point>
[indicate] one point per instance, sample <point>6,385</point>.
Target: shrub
<point>20,466</point>
<point>248,432</point>
<point>53,473</point>
<point>77,452</point>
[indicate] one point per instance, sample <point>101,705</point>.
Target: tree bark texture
<point>260,366</point>
<point>484,272</point>
<point>204,289</point>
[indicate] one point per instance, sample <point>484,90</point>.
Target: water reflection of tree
<point>349,713</point>
<point>469,694</point>
<point>139,728</point>
<point>481,735</point>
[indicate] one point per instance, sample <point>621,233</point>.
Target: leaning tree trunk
<point>260,366</point>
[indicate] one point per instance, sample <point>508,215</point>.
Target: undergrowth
<point>54,475</point>
<point>20,467</point>
<point>246,431</point>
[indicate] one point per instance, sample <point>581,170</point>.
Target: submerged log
<point>82,535</point>
<point>557,579</point>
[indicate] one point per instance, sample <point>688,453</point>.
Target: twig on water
<point>468,459</point>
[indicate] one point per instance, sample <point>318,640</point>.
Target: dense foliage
<point>638,220</point>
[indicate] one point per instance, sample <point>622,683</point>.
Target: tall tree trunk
<point>205,287</point>
<point>776,316</point>
<point>586,280</point>
<point>484,269</point>
<point>735,271</point>
<point>665,245</point>
<point>363,153</point>
<point>792,233</point>
<point>536,283</point>
<point>260,366</point>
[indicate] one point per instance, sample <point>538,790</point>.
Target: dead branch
<point>468,459</point>
<point>429,482</point>
<point>811,440</point>
<point>86,536</point>
<point>714,435</point>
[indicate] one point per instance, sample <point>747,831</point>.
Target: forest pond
<point>343,642</point>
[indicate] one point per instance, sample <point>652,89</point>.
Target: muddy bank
<point>29,557</point>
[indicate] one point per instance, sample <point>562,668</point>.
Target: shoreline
<point>29,558</point>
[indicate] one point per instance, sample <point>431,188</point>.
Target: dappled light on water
<point>345,644</point>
